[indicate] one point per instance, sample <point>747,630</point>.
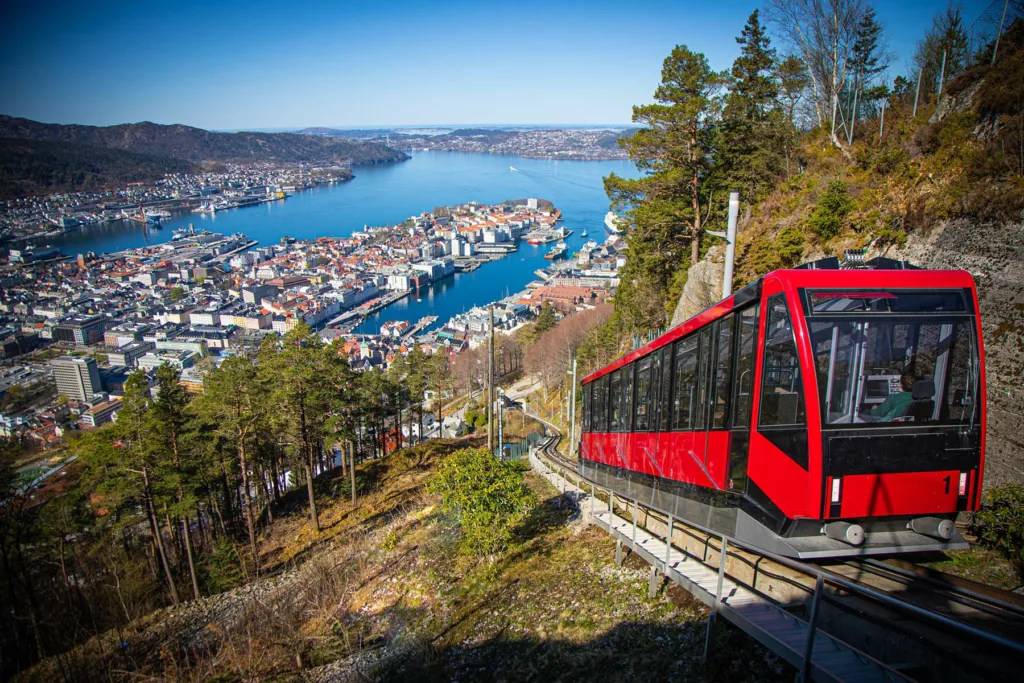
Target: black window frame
<point>665,389</point>
<point>643,365</point>
<point>798,384</point>
<point>722,386</point>
<point>742,418</point>
<point>681,356</point>
<point>627,397</point>
<point>614,406</point>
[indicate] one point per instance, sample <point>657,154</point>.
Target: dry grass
<point>381,594</point>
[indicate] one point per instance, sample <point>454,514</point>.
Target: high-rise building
<point>77,378</point>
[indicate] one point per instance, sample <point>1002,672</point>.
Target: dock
<point>424,322</point>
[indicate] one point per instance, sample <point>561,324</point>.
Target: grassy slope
<point>381,593</point>
<point>942,190</point>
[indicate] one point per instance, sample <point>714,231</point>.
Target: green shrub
<point>827,218</point>
<point>999,524</point>
<point>890,236</point>
<point>222,569</point>
<point>484,497</point>
<point>790,245</point>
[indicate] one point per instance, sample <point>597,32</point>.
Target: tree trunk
<point>251,523</point>
<point>352,470</point>
<point>312,498</point>
<point>158,538</point>
<point>186,535</point>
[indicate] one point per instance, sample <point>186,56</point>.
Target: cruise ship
<point>613,223</point>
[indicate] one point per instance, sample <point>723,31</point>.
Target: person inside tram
<point>896,404</point>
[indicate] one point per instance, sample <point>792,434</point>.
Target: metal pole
<point>668,542</point>
<point>942,73</point>
<point>917,95</point>
<point>835,103</point>
<point>812,625</point>
<point>853,113</point>
<point>730,243</point>
<point>501,413</point>
<point>881,121</point>
<point>636,513</point>
<point>572,413</point>
<point>995,50</point>
<point>710,636</point>
<point>490,383</point>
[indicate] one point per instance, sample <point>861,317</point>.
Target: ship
<point>557,252</point>
<point>613,223</point>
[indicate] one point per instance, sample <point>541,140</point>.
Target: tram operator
<point>895,405</point>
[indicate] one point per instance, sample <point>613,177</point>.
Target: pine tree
<point>675,150</point>
<point>234,404</point>
<point>752,123</point>
<point>169,420</point>
<point>947,35</point>
<point>545,319</point>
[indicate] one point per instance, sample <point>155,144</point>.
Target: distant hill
<point>32,167</point>
<point>198,145</point>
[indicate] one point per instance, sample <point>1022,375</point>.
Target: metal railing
<point>820,576</point>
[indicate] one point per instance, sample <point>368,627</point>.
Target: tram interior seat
<point>923,405</point>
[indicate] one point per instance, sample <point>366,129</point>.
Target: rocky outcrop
<point>994,254</point>
<point>703,287</point>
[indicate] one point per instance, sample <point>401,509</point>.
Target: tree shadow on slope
<point>628,652</point>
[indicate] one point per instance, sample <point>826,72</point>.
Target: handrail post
<point>812,624</point>
<point>636,514</point>
<point>709,637</point>
<point>668,541</point>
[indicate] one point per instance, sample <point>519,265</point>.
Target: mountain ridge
<point>187,143</point>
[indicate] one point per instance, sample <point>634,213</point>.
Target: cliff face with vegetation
<point>831,159</point>
<point>196,145</point>
<point>942,189</point>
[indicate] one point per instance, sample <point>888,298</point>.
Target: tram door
<point>745,344</point>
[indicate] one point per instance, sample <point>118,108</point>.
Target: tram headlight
<point>962,490</point>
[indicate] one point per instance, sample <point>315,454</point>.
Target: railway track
<point>917,623</point>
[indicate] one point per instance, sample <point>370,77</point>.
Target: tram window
<point>599,419</point>
<point>626,399</point>
<point>685,396</point>
<point>706,360</point>
<point>744,380</point>
<point>895,370</point>
<point>664,402</point>
<point>587,403</point>
<point>642,413</point>
<point>723,373</point>
<point>655,386</point>
<point>782,395</point>
<point>614,396</point>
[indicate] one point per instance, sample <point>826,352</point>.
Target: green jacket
<point>894,405</point>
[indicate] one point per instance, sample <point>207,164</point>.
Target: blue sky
<point>255,64</point>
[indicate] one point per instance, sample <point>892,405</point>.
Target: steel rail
<point>810,570</point>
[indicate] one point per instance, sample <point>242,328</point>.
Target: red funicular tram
<point>818,412</point>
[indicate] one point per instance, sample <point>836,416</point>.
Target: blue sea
<point>381,195</point>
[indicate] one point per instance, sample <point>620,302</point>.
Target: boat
<point>557,252</point>
<point>613,223</point>
<point>584,233</point>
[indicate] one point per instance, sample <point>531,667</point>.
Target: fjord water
<point>381,195</point>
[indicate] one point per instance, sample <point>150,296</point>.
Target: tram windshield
<point>895,367</point>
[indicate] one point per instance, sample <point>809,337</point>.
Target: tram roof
<point>798,278</point>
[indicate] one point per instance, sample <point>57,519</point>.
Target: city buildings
<point>76,378</point>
